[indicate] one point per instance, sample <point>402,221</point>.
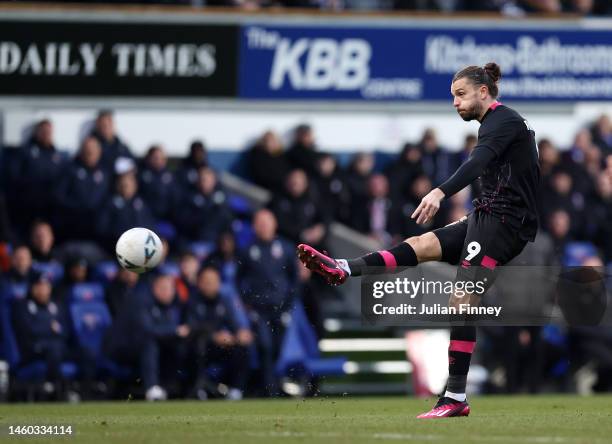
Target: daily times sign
<point>257,61</point>
<point>52,58</point>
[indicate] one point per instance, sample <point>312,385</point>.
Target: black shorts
<point>478,245</point>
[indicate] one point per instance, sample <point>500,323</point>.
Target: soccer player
<point>503,220</point>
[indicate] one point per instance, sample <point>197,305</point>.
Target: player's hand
<point>428,207</point>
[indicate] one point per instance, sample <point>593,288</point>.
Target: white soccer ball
<point>139,250</point>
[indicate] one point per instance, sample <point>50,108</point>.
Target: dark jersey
<point>510,181</point>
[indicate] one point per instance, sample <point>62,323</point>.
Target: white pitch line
<point>411,436</point>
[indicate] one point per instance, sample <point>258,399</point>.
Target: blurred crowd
<point>211,320</point>
<point>507,7</point>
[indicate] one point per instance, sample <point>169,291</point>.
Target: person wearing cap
<point>41,331</point>
<point>125,210</point>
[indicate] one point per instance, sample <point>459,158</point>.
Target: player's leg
<point>488,244</point>
<point>441,244</point>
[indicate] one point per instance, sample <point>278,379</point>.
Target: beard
<point>471,113</point>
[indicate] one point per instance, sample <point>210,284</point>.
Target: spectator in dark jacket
<point>574,162</point>
<point>186,281</point>
<point>303,151</point>
<point>187,173</point>
<point>157,185</point>
<point>125,210</point>
<point>559,226</point>
<point>41,331</point>
<point>331,188</point>
<point>16,281</point>
<point>268,281</point>
<point>42,242</point>
<point>268,163</point>
<point>76,271</point>
<point>205,213</point>
<point>559,192</point>
<point>120,291</point>
<point>601,133</point>
<point>83,189</point>
<point>374,216</point>
<point>165,347</point>
<point>357,176</point>
<point>40,168</point>
<point>112,146</point>
<point>218,336</point>
<point>601,211</point>
<point>300,217</point>
<point>403,171</point>
<point>437,163</point>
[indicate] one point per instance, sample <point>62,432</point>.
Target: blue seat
<point>33,371</point>
<point>14,290</point>
<point>300,352</point>
<point>239,205</point>
<point>104,272</point>
<point>54,271</point>
<point>243,231</point>
<point>576,252</point>
<point>86,292</point>
<point>166,230</point>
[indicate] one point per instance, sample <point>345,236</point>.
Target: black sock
<point>462,343</point>
<point>401,255</point>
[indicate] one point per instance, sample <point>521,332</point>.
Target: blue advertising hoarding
<point>403,64</point>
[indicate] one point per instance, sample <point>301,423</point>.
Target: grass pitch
<point>497,420</point>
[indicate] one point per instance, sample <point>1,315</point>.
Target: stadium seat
<point>13,290</point>
<point>90,320</point>
<point>576,252</point>
<point>86,292</point>
<point>52,270</point>
<point>300,351</point>
<point>104,272</point>
<point>244,233</point>
<point>165,230</point>
<point>239,205</point>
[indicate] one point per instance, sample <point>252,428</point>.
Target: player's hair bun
<point>493,71</point>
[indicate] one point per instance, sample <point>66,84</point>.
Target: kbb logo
<point>321,63</point>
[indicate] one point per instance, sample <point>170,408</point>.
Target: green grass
<point>521,419</point>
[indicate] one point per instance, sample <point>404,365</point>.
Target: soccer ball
<point>139,250</point>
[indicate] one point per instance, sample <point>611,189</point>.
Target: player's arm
<point>469,171</point>
<point>465,175</point>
